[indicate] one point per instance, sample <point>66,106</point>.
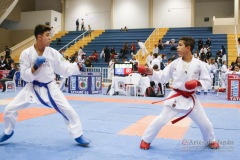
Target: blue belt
<point>39,84</point>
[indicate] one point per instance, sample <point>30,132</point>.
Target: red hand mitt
<point>192,84</point>
<point>141,69</point>
<point>145,70</point>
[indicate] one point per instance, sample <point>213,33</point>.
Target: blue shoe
<point>197,93</point>
<point>82,141</point>
<point>205,93</point>
<point>5,137</point>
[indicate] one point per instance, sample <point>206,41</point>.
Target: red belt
<point>184,94</point>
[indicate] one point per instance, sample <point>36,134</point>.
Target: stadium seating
<point>71,35</point>
<point>116,38</point>
<point>196,32</point>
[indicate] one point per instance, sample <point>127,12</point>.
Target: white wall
<point>115,14</point>
<point>96,13</point>
<point>207,8</point>
<point>30,19</point>
<point>171,13</point>
<point>131,13</point>
<point>56,21</point>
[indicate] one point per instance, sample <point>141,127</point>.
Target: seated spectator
<point>2,63</point>
<point>113,53</point>
<point>9,76</point>
<point>94,56</point>
<point>133,48</point>
<point>59,41</point>
<point>160,45</point>
<point>173,45</point>
<point>88,63</point>
<point>102,55</point>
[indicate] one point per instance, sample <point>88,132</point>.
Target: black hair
<point>188,41</point>
<point>234,66</point>
<point>40,29</point>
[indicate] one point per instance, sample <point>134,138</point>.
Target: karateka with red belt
<point>188,74</point>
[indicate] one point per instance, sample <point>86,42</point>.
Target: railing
<point>8,11</point>
<point>104,71</point>
<point>94,69</point>
<point>138,52</point>
<point>150,37</point>
<point>74,40</point>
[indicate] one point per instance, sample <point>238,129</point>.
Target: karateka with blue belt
<point>38,65</point>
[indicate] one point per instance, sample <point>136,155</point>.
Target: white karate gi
<point>54,63</point>
<point>143,48</point>
<point>197,70</point>
<point>111,70</point>
<point>149,59</point>
<point>223,76</point>
<point>157,62</point>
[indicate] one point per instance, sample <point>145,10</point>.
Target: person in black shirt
<point>107,54</point>
<point>8,63</point>
<point>208,43</point>
<point>8,51</point>
<point>77,25</point>
<point>200,44</point>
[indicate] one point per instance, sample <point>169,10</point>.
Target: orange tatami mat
<point>29,113</point>
<point>172,131</point>
<point>144,101</point>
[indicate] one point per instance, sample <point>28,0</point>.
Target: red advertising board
<point>233,91</point>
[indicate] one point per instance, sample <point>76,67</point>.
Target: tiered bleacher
<point>116,39</point>
<point>71,35</point>
<point>196,32</point>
